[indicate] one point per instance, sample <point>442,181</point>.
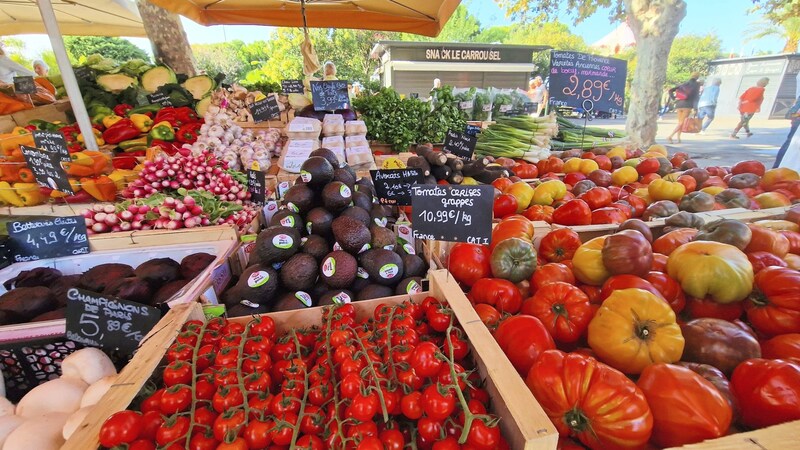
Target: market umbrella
<point>425,17</point>
<point>75,17</point>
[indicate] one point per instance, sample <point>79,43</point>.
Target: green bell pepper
<point>162,131</point>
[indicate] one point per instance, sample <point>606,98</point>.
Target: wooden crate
<point>523,421</point>
<point>776,437</point>
<point>54,112</point>
<point>49,209</point>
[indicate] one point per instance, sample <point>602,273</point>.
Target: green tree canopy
<point>115,48</point>
<point>220,58</point>
<point>691,53</point>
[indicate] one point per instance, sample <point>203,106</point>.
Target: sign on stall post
<point>452,213</point>
<point>576,77</point>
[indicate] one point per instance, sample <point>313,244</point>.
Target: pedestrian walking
<point>685,96</point>
<point>665,101</point>
<point>794,115</point>
<point>749,104</point>
<point>707,104</point>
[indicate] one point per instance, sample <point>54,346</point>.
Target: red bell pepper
<point>123,130</point>
<point>168,147</point>
<point>187,133</point>
<point>122,109</point>
<point>185,115</point>
<point>79,197</point>
<point>124,162</point>
<point>166,114</point>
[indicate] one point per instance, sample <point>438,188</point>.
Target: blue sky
<point>727,18</point>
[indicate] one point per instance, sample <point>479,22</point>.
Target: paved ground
<point>715,147</point>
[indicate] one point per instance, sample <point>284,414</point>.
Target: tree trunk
<point>654,24</point>
<point>170,44</point>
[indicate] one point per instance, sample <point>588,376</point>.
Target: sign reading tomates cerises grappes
<point>576,77</point>
<point>452,213</point>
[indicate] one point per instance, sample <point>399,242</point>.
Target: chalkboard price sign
<point>159,98</point>
<point>256,185</point>
<point>108,322</point>
<point>53,142</point>
<point>472,130</point>
<point>292,87</point>
<point>393,186</point>
<point>32,240</point>
<point>24,85</point>
<point>575,77</point>
<point>460,144</point>
<point>330,95</point>
<point>452,213</point>
<point>46,168</point>
<point>265,109</point>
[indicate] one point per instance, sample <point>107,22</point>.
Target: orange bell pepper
<point>26,176</point>
<point>101,161</point>
<point>101,188</point>
<point>78,170</point>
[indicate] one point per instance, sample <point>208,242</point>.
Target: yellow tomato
<point>624,175</point>
<point>707,268</point>
<point>617,151</point>
<point>774,176</point>
<point>548,192</point>
<point>712,190</point>
<point>584,166</point>
<point>778,225</point>
<point>643,194</point>
<point>587,263</point>
<point>772,200</point>
<point>523,192</point>
<point>673,176</point>
<point>659,149</point>
<point>666,190</point>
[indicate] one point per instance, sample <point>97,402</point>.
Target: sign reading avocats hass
<point>452,213</point>
<point>393,186</point>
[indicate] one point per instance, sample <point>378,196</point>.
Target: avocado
<point>365,188</point>
<point>293,300</point>
<point>374,291</point>
<point>329,155</point>
<point>299,198</point>
<point>345,176</point>
<point>365,181</point>
<point>316,171</point>
<point>336,297</point>
<point>352,235</point>
<point>288,218</point>
<point>362,200</point>
<point>167,291</point>
<point>384,266</point>
<point>246,308</point>
<point>316,246</point>
<point>382,237</point>
<point>357,213</point>
<point>299,273</point>
<point>409,286</point>
<point>336,196</point>
<point>277,244</point>
<point>413,266</point>
<point>379,215</point>
<point>318,221</point>
<point>318,291</point>
<point>257,284</point>
<point>338,269</point>
<point>359,283</point>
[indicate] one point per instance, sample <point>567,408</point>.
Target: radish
<point>109,209</point>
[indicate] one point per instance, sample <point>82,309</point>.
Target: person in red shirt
<point>749,104</point>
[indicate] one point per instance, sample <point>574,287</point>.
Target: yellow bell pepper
<point>119,179</point>
<point>666,190</point>
<point>9,195</point>
<point>548,192</point>
<point>142,122</point>
<point>29,193</point>
<point>110,120</point>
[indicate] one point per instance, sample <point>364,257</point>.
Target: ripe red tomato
<point>626,281</point>
<point>504,205</point>
<point>563,309</point>
<point>608,215</point>
<point>438,402</point>
<point>597,197</point>
<point>469,262</point>
<point>669,289</point>
<point>176,399</point>
<point>502,294</point>
<point>573,212</point>
<point>526,171</point>
<point>230,423</point>
<point>768,391</point>
<point>121,428</point>
<point>539,212</point>
<point>559,245</point>
<point>173,429</point>
<point>425,360</point>
<point>523,338</point>
<point>706,307</point>
<point>549,273</point>
<point>762,260</point>
<point>774,305</point>
<point>411,405</point>
<point>488,314</point>
<point>785,346</point>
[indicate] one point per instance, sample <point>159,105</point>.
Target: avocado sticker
<point>362,273</point>
<point>329,267</point>
<point>291,206</point>
<point>305,176</point>
<point>250,304</point>
<point>413,287</point>
<point>283,241</point>
<point>258,278</point>
<point>287,221</point>
<point>304,298</point>
<point>381,222</point>
<point>409,249</point>
<point>308,227</point>
<point>364,248</point>
<point>344,191</point>
<point>341,298</point>
<point>388,271</point>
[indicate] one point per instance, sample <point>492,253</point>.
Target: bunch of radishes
<point>204,172</point>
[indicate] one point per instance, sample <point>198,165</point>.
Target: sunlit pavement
<point>715,147</point>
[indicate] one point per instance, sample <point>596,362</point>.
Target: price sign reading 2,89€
<point>576,77</point>
<point>452,213</point>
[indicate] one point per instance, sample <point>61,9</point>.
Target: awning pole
<point>67,75</point>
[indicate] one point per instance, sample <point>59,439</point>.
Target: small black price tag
<point>256,186</point>
<point>159,98</point>
<point>46,168</point>
<point>292,87</point>
<point>393,186</point>
<point>330,95</point>
<point>24,85</point>
<point>108,322</point>
<point>53,142</point>
<point>265,109</point>
<point>460,144</point>
<point>32,240</point>
<point>452,213</point>
<point>472,130</point>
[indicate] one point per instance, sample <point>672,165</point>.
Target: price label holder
<point>256,186</point>
<point>159,98</point>
<point>46,168</point>
<point>32,240</point>
<point>393,186</point>
<point>452,213</point>
<point>472,130</point>
<point>265,109</point>
<point>330,95</point>
<point>24,85</point>
<point>107,322</point>
<point>460,144</point>
<point>52,141</point>
<point>293,87</point>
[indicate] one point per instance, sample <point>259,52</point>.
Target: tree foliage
<point>115,48</point>
<point>691,53</point>
<point>220,58</point>
<point>788,30</point>
<point>540,10</point>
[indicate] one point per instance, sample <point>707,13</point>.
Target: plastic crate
<point>28,364</point>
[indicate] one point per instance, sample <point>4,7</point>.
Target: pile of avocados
<point>330,242</point>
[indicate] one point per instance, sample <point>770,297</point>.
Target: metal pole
<point>67,75</point>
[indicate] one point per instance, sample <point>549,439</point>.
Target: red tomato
<point>551,164</point>
<point>425,360</point>
<point>411,405</point>
<point>597,197</point>
<point>626,281</point>
<point>539,212</point>
<point>785,346</point>
<point>563,309</point>
<point>768,391</point>
<point>594,293</point>
<point>648,165</point>
<point>751,166</point>
<point>638,205</point>
<point>526,171</point>
<point>523,338</point>
<point>469,262</point>
<point>669,289</point>
<point>549,273</point>
<point>608,215</point>
<point>504,205</point>
<point>228,424</point>
<point>603,162</point>
<point>559,245</point>
<point>488,314</point>
<point>176,399</point>
<point>659,262</point>
<point>573,212</point>
<point>706,307</point>
<point>761,260</point>
<point>794,240</point>
<point>438,402</point>
<point>121,428</point>
<point>774,305</point>
<point>172,430</point>
<point>502,183</point>
<point>502,294</point>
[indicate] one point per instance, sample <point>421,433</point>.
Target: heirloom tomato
<point>559,245</point>
<point>573,212</point>
<point>774,305</point>
<point>564,310</point>
<point>726,231</point>
<point>768,391</point>
<point>502,294</point>
<point>513,259</point>
<point>609,215</point>
<point>669,289</point>
<point>627,252</point>
<point>597,197</point>
<point>549,192</point>
<point>667,243</point>
<point>523,338</point>
<point>785,346</point>
<point>718,270</point>
<point>550,273</point>
<point>504,204</point>
<point>762,260</point>
<point>766,240</point>
<point>619,282</point>
<point>587,263</point>
<point>469,262</point>
<point>539,212</point>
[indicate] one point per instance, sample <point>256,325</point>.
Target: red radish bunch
<point>203,172</point>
